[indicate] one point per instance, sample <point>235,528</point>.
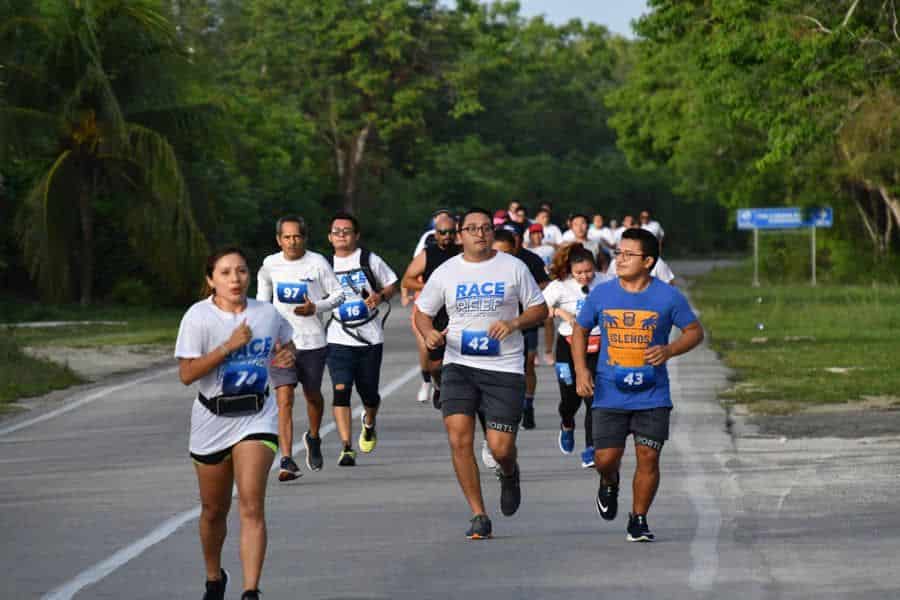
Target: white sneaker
<point>424,392</point>
<point>486,457</point>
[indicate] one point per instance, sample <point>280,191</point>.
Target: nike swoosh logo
<point>601,507</point>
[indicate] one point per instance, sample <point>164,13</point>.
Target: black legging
<point>569,400</point>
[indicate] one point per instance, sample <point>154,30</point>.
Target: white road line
<point>69,407</point>
<point>105,567</point>
<point>704,545</point>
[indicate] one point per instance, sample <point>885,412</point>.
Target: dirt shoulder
<point>95,364</point>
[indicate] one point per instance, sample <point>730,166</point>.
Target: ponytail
<point>568,255</point>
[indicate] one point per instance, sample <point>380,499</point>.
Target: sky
<point>615,14</point>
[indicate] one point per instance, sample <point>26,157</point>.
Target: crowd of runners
<point>481,284</point>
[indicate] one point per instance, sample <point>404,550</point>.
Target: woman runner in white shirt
<point>574,273</point>
<point>226,344</point>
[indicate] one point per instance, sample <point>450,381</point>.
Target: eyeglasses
<point>627,255</point>
<point>444,231</point>
<point>341,232</point>
<point>474,229</point>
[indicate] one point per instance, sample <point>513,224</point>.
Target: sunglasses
<point>444,231</point>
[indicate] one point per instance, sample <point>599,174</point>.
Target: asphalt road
<point>101,502</point>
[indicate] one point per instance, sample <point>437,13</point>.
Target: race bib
<point>593,345</point>
<point>292,293</point>
<point>634,379</point>
<point>564,373</point>
<point>353,311</point>
<point>478,343</point>
<point>244,379</point>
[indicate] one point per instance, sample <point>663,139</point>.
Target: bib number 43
<point>635,379</point>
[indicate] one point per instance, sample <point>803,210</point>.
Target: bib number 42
<point>478,343</point>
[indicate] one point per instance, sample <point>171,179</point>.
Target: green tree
<point>88,86</point>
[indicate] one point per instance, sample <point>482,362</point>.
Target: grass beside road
<point>823,345</point>
<point>24,376</point>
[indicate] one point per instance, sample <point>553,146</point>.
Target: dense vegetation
<point>137,134</point>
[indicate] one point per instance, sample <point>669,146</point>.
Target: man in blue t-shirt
<point>635,313</point>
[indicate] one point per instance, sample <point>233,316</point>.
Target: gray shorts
<point>612,425</point>
<point>467,390</point>
<point>309,368</point>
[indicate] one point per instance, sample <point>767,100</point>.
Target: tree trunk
<point>352,165</point>
<point>86,213</point>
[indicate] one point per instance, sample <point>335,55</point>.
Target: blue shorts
<point>360,365</point>
<point>531,340</point>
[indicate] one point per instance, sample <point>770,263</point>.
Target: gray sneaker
<point>313,452</point>
<point>480,528</point>
<point>288,470</point>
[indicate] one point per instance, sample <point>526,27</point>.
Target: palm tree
<point>88,86</point>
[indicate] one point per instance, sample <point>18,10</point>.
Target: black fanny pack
<point>240,405</point>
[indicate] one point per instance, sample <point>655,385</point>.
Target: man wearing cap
<point>536,244</point>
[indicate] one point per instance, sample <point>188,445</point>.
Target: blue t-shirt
<point>629,324</point>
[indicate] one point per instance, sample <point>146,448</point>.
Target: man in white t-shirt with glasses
<point>483,368</point>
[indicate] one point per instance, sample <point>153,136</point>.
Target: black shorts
<point>612,425</point>
<point>269,440</point>
<point>531,339</point>
<point>438,353</point>
<point>498,395</point>
<point>309,368</point>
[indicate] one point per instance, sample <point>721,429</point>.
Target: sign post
<point>784,218</point>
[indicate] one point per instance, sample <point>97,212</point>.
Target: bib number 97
<point>292,293</point>
<point>478,343</point>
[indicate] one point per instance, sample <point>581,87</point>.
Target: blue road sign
<point>784,218</point>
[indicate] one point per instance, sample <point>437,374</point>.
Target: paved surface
<point>101,502</point>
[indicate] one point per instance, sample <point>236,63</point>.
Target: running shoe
<point>288,470</point>
<point>424,391</point>
<point>480,528</point>
<point>348,458</point>
<point>528,418</point>
<point>549,359</point>
<point>313,445</point>
<point>638,530</point>
<point>251,595</point>
<point>587,457</point>
<point>436,398</point>
<point>566,440</point>
<point>487,459</point>
<point>215,590</point>
<point>367,437</point>
<point>510,492</point>
<point>608,500</point>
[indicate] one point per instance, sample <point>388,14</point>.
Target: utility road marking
<point>104,568</point>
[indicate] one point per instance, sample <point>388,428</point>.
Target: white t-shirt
<point>552,234</point>
<point>568,295</point>
<point>655,228</point>
<point>617,235</point>
<point>284,283</point>
<point>353,309</point>
<point>546,253</point>
<point>568,236</point>
<point>604,236</point>
<point>477,294</point>
<point>661,270</point>
<point>204,328</point>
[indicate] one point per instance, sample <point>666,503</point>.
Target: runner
<point>415,277</point>
<point>574,275</point>
<point>579,227</point>
<point>661,270</point>
<point>482,290</point>
<point>635,313</point>
<point>356,332</point>
<point>552,234</point>
<point>652,226</point>
<point>627,223</point>
<point>302,286</point>
<point>508,241</point>
<point>546,252</point>
<point>226,344</point>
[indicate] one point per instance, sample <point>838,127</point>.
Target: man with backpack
<point>356,332</point>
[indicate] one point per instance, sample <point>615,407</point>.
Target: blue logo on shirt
<point>479,297</point>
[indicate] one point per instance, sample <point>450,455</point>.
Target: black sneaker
<point>528,418</point>
<point>288,470</point>
<point>436,398</point>
<point>638,530</point>
<point>480,528</point>
<point>510,492</point>
<point>313,452</point>
<point>608,500</point>
<point>251,595</point>
<point>347,458</point>
<point>215,590</point>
